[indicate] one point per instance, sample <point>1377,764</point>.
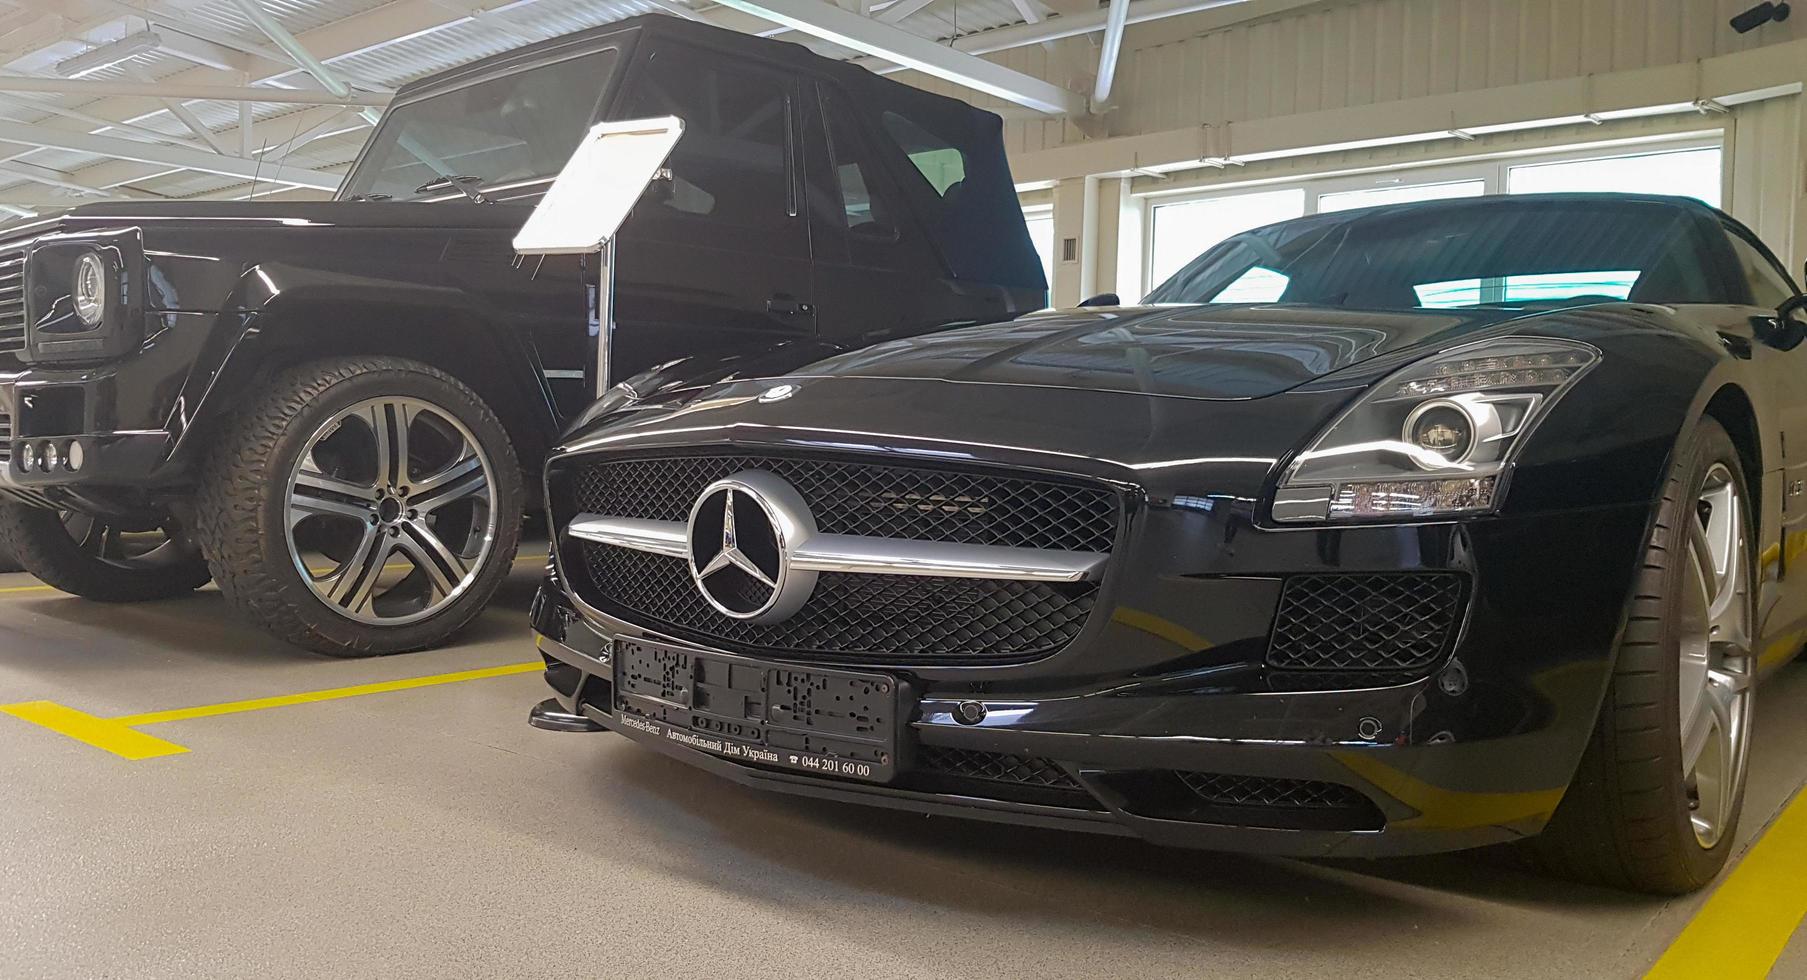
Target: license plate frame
<point>842,724</point>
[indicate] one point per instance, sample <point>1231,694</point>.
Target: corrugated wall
<point>1359,52</point>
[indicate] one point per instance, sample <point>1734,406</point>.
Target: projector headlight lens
<point>90,289</point>
<point>1435,438</point>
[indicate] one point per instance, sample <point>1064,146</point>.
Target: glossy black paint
<point>1196,411</point>
<point>224,294</point>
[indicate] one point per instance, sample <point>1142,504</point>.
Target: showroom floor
<point>430,831</point>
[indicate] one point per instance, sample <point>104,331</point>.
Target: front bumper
<point>1477,751</point>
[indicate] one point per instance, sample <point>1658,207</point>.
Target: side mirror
<point>1789,327</point>
<point>1792,308</point>
<point>1103,299</point>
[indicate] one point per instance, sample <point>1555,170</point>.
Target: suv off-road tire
<point>242,511</point>
<point>41,543</point>
<point>1625,820</point>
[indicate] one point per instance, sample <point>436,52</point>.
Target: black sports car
<point>1399,530</point>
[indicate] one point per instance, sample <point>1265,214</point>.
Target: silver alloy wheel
<point>396,496</point>
<point>1716,663</point>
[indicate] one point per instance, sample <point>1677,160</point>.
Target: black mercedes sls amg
<point>1407,529</point>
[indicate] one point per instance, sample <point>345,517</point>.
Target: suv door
<point>716,258</point>
<point>877,273</point>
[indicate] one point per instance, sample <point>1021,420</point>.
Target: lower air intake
<point>1361,622</point>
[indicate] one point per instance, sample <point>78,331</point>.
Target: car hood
<point>250,215</point>
<point>1215,352</point>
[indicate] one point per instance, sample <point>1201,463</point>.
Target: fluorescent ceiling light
<point>110,54</point>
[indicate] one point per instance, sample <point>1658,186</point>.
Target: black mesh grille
<point>1219,789</point>
<point>994,766</point>
<point>861,617</point>
<point>876,501</point>
<point>1396,622</point>
<point>854,616</point>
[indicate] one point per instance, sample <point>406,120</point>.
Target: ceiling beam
<point>59,179</point>
<point>893,44</point>
<point>901,9</point>
<point>168,89</point>
<point>167,156</point>
<point>1073,25</point>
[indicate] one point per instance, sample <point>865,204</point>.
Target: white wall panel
<point>1361,52</point>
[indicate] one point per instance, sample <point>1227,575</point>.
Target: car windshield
<point>520,126</point>
<point>1491,252</point>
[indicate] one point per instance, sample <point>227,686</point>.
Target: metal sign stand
<point>587,204</point>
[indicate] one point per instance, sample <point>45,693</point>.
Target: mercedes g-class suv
<point>337,410</point>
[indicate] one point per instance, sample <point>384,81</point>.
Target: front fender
<point>280,314</point>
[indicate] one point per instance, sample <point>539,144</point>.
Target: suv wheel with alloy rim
<point>368,505</point>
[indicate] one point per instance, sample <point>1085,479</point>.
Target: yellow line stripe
<point>332,694</point>
<point>1743,928</point>
<point>110,735</point>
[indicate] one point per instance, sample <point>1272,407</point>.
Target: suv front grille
<point>12,303</point>
<point>862,617</point>
<point>6,437</point>
<point>1359,622</point>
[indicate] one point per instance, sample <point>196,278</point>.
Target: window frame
<point>1494,172</point>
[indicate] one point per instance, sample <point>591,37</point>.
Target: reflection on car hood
<point>1193,351</point>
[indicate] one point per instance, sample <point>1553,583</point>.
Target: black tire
<point>41,543</point>
<point>1625,820</point>
<point>242,508</point>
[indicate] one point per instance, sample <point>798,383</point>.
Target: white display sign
<point>599,186</point>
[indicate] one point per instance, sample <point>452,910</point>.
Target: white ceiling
<point>372,45</point>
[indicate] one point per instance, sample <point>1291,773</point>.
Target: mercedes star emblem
<point>742,529</point>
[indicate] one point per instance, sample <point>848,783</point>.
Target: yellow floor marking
<point>121,737</point>
<point>1743,928</point>
<point>332,694</point>
<point>102,733</point>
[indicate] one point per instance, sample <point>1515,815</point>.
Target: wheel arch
<point>316,324</point>
<point>1731,407</point>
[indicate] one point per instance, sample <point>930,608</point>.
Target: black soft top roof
<point>787,53</point>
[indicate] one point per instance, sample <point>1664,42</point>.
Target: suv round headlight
<point>90,289</point>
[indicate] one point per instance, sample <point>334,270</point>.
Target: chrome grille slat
<point>12,304</point>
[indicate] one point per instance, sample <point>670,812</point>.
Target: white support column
<point>1117,259</point>
<point>1075,241</point>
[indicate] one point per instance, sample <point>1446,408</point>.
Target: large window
<point>1400,194</point>
<point>1179,229</point>
<point>1183,230</point>
<point>1688,173</point>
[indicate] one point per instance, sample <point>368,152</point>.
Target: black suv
<point>337,410</point>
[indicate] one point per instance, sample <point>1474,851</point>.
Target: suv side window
<point>871,220</point>
<point>733,165</point>
<point>1769,285</point>
<point>940,162</point>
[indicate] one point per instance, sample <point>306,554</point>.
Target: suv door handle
<point>782,305</point>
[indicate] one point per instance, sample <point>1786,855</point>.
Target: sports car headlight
<point>1434,438</point>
